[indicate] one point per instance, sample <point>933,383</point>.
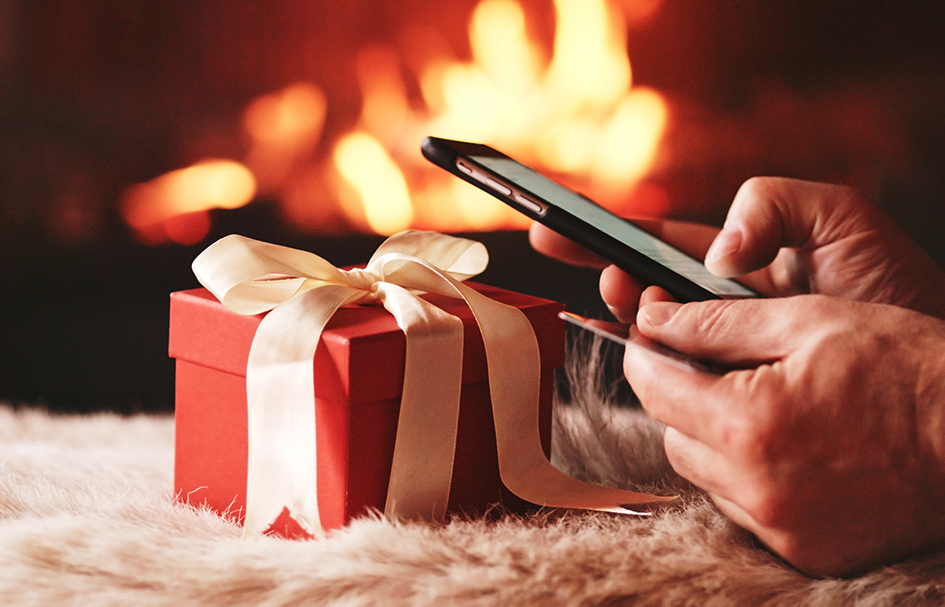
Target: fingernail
<point>726,244</point>
<point>659,313</point>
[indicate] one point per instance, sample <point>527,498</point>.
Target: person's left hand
<point>827,440</point>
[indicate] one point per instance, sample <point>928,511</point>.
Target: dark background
<point>97,95</point>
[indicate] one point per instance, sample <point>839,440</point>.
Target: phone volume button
<point>529,204</point>
<point>499,187</point>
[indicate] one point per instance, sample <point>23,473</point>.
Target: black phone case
<point>444,152</point>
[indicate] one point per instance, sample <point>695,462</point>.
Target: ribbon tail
<point>514,368</point>
<point>282,470</point>
<point>514,364</point>
<point>422,467</point>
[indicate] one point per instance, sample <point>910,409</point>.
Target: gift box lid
<point>361,354</point>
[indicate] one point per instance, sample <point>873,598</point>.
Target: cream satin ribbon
<point>301,291</point>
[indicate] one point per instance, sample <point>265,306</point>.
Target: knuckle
<point>851,194</point>
<point>765,423</point>
<point>761,195</point>
<point>755,432</point>
<point>751,440</point>
<point>757,441</point>
<point>756,187</point>
<point>716,319</point>
<point>831,315</point>
<point>843,196</point>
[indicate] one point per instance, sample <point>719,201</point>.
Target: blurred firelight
<point>575,116</point>
<point>379,183</point>
<point>173,207</point>
<point>284,127</point>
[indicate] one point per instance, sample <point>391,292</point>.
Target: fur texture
<point>87,518</point>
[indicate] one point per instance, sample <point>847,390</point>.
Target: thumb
<point>769,213</point>
<point>736,332</point>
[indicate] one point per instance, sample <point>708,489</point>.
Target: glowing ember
<point>574,115</point>
<point>159,209</point>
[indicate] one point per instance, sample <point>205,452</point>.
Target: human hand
<point>620,291</point>
<point>786,237</point>
<point>827,441</point>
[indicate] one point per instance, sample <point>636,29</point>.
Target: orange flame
<point>578,117</point>
<point>381,187</point>
<point>173,206</point>
<point>574,115</point>
<point>284,128</point>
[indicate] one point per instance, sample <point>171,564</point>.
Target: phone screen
<point>612,225</point>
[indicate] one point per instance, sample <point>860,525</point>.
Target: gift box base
<point>211,451</point>
<point>358,371</point>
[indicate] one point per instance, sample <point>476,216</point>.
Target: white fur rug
<point>87,518</point>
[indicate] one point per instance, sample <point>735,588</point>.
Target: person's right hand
<point>826,439</point>
<point>786,237</point>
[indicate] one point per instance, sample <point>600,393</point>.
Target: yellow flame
<point>569,110</point>
<point>501,46</point>
<point>284,128</point>
<point>385,99</point>
<point>590,68</point>
<point>209,184</point>
<point>629,139</point>
<point>479,211</point>
<point>286,117</point>
<point>578,116</point>
<point>492,99</point>
<point>369,169</point>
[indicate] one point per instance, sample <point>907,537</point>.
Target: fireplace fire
<point>568,108</point>
<point>134,133</point>
<point>99,100</point>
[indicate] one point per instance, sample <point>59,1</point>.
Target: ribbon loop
<point>459,257</point>
<point>301,292</point>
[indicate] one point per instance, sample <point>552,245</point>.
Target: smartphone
<point>629,337</point>
<point>580,219</point>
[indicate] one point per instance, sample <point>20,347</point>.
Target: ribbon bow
<point>301,291</point>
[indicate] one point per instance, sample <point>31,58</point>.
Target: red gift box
<point>358,371</point>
